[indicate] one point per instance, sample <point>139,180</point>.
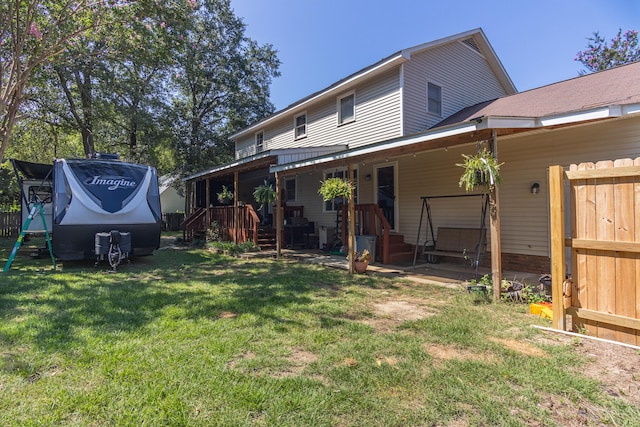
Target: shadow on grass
<point>60,309</point>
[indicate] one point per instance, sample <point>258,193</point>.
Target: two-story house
<point>405,93</point>
<point>400,127</point>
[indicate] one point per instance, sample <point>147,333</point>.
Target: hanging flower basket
<point>480,170</point>
<point>332,188</point>
<point>264,194</point>
<point>226,195</point>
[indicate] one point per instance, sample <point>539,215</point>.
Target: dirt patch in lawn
<point>392,313</point>
<point>616,367</point>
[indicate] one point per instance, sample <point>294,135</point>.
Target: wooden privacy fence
<point>9,224</point>
<point>603,294</point>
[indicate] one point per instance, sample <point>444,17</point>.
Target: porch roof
<point>266,159</point>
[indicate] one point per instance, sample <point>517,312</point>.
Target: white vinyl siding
<point>378,119</point>
<point>464,75</point>
<point>524,216</point>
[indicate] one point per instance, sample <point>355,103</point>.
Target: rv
<point>86,201</point>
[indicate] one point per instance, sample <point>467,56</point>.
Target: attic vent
<point>472,44</point>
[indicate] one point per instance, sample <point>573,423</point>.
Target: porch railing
<point>370,220</point>
<point>247,229</point>
<point>194,223</point>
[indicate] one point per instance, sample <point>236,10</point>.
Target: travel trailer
<point>88,203</point>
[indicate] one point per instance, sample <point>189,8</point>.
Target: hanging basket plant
<point>332,188</point>
<point>226,195</point>
<point>480,170</point>
<point>264,194</point>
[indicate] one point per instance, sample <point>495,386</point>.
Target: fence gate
<point>603,295</point>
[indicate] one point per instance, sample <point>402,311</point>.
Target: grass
<point>189,337</point>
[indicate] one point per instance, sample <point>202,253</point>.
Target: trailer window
<point>43,192</point>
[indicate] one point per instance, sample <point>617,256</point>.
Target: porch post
<point>496,246</point>
<point>236,210</point>
<point>207,198</point>
<point>351,222</point>
<point>278,218</point>
<point>187,199</point>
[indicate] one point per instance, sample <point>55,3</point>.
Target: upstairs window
<point>259,142</point>
<point>300,126</point>
<point>434,99</point>
<point>347,108</point>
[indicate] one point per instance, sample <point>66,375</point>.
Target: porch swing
<point>467,243</point>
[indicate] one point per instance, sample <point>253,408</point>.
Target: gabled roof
<point>475,38</point>
<point>618,86</point>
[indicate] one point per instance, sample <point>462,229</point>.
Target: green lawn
<point>189,337</point>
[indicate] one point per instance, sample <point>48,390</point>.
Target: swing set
<point>458,242</point>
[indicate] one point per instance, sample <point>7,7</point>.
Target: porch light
<point>535,188</point>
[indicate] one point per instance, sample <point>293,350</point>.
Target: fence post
<point>556,204</point>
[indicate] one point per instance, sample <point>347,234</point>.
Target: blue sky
<point>321,41</point>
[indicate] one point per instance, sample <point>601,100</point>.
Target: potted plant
<point>361,261</point>
<point>481,169</point>
<point>332,188</point>
<point>225,196</point>
<point>266,195</point>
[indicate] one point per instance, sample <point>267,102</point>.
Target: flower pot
<point>360,266</point>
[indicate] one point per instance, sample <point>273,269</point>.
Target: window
<point>289,189</point>
<point>259,142</point>
<point>300,126</point>
<point>336,204</point>
<point>347,108</point>
<point>434,99</point>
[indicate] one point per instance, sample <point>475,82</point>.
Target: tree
<point>222,78</point>
<point>623,49</point>
<point>32,34</point>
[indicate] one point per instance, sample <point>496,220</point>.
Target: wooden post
<point>351,222</point>
<point>496,246</point>
<point>207,202</point>
<point>236,210</point>
<point>278,218</point>
<point>187,199</point>
<point>556,205</point>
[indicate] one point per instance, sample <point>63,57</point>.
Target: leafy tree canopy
<point>600,55</point>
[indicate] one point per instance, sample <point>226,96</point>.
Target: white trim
<point>339,99</point>
<point>581,116</point>
<point>401,92</point>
